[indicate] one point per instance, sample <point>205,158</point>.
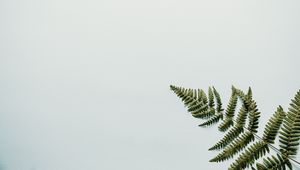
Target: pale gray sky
<point>84,85</point>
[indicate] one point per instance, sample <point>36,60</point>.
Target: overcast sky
<point>84,85</point>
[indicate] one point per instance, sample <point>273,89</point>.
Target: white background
<point>84,85</point>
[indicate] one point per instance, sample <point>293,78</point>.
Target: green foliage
<point>236,145</point>
<point>272,162</point>
<point>199,105</point>
<point>218,100</point>
<point>273,125</point>
<point>250,155</point>
<point>228,138</point>
<point>290,132</point>
<point>238,128</point>
<point>237,137</point>
<point>260,148</point>
<point>211,102</point>
<point>228,122</point>
<point>213,120</point>
<point>253,118</point>
<point>202,96</point>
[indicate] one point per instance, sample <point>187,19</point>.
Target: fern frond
<point>242,116</point>
<point>237,145</point>
<point>226,124</point>
<point>254,116</point>
<point>218,101</point>
<point>242,141</point>
<point>238,92</point>
<point>249,156</point>
<point>196,104</point>
<point>190,101</point>
<point>290,131</point>
<point>213,120</point>
<point>236,139</point>
<point>249,93</point>
<point>229,137</point>
<point>233,132</point>
<point>231,106</point>
<point>204,114</point>
<point>199,109</point>
<point>191,93</point>
<point>211,102</point>
<point>181,92</point>
<point>259,149</point>
<point>272,163</point>
<point>202,96</point>
<point>229,113</point>
<point>273,125</point>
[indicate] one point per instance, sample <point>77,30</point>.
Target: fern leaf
<point>242,116</point>
<point>198,108</point>
<point>229,113</point>
<point>181,92</point>
<point>259,149</point>
<point>204,114</point>
<point>288,124</point>
<point>211,102</point>
<point>237,145</point>
<point>273,125</point>
<point>238,92</point>
<point>213,120</point>
<point>249,93</point>
<point>249,156</point>
<point>231,106</point>
<point>242,141</point>
<point>271,163</point>
<point>233,132</point>
<point>229,137</point>
<point>226,124</point>
<point>218,101</point>
<point>290,131</point>
<point>195,106</point>
<point>254,116</point>
<point>202,96</point>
